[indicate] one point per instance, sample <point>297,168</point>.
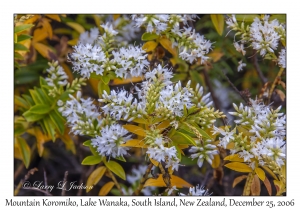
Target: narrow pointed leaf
<point>255,186</point>
<point>175,181</point>
<point>92,160</point>
<point>238,180</point>
<point>116,168</point>
<point>260,173</point>
<point>106,188</point>
<point>135,129</point>
<point>95,177</point>
<point>218,21</point>
<point>240,167</point>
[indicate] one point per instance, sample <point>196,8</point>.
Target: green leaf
<point>105,79</point>
<point>32,117</point>
<point>92,160</point>
<point>49,127</point>
<point>24,150</point>
<point>23,76</point>
<point>40,109</point>
<point>20,47</point>
<point>23,37</point>
<point>35,97</point>
<point>28,99</point>
<point>42,96</point>
<point>94,150</point>
<point>101,87</point>
<point>58,121</point>
<point>218,21</point>
<point>149,36</point>
<point>116,168</point>
<point>21,102</point>
<point>181,138</point>
<point>87,143</point>
<point>18,56</point>
<point>23,27</point>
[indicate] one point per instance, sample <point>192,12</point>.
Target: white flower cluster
<point>191,44</point>
<point>197,191</point>
<point>203,151</point>
<point>98,56</point>
<point>160,23</point>
<point>57,78</point>
<point>120,106</point>
<point>263,35</point>
<point>108,143</point>
<point>81,114</point>
<point>161,153</point>
<point>264,138</point>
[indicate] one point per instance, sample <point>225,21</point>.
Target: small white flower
<point>241,66</point>
<point>282,59</point>
<point>108,144</point>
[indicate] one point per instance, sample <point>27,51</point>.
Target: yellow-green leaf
<point>149,36</point>
<point>95,177</point>
<point>167,44</point>
<point>106,188</point>
<point>149,46</point>
<point>79,28</point>
<point>175,181</point>
<point>182,138</point>
<point>218,21</point>
<point>23,27</point>
<point>40,140</point>
<point>116,168</point>
<point>238,180</point>
<point>270,172</point>
<point>240,167</point>
<point>135,129</point>
<point>234,158</point>
<point>260,173</point>
<point>24,150</point>
<point>163,125</point>
<point>44,50</point>
<point>135,143</point>
<point>91,160</point>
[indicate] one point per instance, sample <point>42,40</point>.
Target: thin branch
<point>236,90</point>
<point>212,92</point>
<point>115,181</point>
<point>166,176</point>
<point>143,180</point>
<point>63,192</point>
<point>274,84</point>
<point>258,70</point>
<point>30,172</point>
